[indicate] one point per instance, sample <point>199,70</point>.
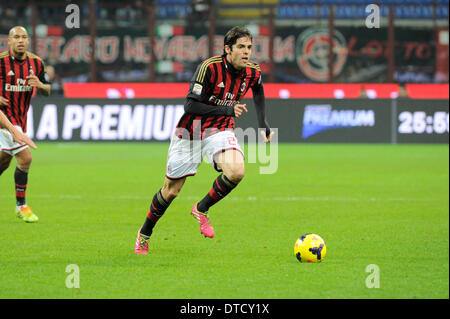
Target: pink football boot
<point>141,247</point>
<point>205,226</point>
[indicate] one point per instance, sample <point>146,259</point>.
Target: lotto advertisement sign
<point>297,120</point>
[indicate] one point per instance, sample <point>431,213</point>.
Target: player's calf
<point>160,202</point>
<point>24,159</point>
<point>222,186</point>
<point>157,209</point>
<point>21,181</point>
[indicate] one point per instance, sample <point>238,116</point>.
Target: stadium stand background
<point>182,30</point>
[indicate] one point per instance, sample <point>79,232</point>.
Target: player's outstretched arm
<point>17,135</point>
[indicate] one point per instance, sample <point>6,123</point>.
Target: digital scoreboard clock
<point>421,122</point>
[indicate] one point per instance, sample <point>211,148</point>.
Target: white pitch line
<point>233,198</point>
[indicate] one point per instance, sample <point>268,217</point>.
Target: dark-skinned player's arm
<point>43,88</point>
<point>260,105</point>
<point>41,82</point>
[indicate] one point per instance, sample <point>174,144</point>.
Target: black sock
<point>221,187</point>
<point>157,209</point>
<point>21,180</point>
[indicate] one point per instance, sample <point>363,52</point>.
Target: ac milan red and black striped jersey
<point>218,84</point>
<point>14,84</point>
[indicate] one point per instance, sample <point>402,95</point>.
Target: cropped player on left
<point>18,136</point>
<point>20,72</point>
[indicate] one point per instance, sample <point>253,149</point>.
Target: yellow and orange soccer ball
<point>310,248</point>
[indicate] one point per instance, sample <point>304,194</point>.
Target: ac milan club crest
<point>243,85</point>
<point>312,51</point>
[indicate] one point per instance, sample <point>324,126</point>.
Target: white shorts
<point>8,145</point>
<point>185,155</point>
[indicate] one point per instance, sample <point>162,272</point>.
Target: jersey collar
<point>230,68</point>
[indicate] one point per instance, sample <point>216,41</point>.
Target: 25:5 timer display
<point>421,122</point>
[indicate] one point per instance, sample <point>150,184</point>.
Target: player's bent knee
<point>236,174</point>
<point>24,165</point>
<point>27,161</point>
<point>24,159</point>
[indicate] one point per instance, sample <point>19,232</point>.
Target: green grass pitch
<point>386,205</point>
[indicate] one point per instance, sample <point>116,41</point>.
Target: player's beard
<point>18,54</point>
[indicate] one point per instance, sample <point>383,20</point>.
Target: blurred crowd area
<point>182,33</point>
<point>111,13</point>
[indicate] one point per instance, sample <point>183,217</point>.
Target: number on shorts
<point>231,141</point>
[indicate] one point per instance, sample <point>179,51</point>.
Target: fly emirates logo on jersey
<point>19,87</point>
<point>229,100</point>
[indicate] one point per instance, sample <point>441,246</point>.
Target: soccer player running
<point>20,72</point>
<point>206,130</point>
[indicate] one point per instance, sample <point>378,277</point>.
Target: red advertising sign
<point>427,91</point>
<point>271,90</point>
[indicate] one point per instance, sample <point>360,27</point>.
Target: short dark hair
<point>233,34</point>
